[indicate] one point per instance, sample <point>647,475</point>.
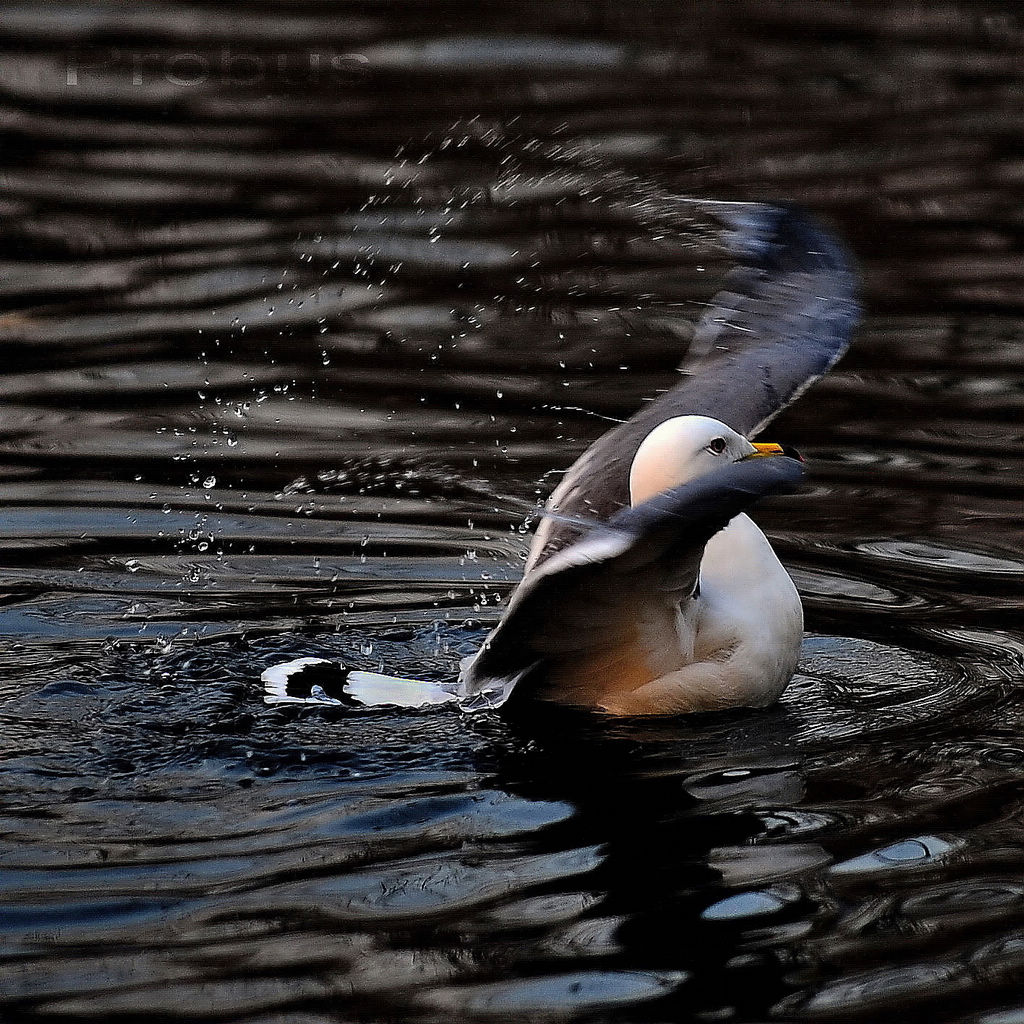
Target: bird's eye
<point>717,446</point>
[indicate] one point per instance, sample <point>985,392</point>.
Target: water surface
<point>303,310</point>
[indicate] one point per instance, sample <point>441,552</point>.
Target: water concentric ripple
<point>303,311</point>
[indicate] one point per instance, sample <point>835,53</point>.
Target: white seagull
<point>647,590</point>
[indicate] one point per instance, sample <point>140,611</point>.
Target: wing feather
<point>783,318</point>
<point>585,604</point>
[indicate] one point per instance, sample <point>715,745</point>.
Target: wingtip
<point>301,681</point>
<point>764,235</point>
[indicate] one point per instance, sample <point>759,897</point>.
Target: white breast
<point>749,611</point>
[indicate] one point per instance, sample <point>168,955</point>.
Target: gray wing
<point>579,602</point>
<point>782,320</point>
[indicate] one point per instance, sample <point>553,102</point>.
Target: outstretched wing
<point>782,319</point>
<point>591,603</point>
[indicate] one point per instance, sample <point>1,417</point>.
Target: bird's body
<point>738,631</point>
<point>647,589</point>
<point>748,622</point>
<point>708,620</point>
<point>735,643</point>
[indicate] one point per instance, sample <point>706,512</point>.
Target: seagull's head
<point>684,448</point>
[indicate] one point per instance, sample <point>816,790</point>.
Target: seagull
<point>678,604</point>
<point>647,589</point>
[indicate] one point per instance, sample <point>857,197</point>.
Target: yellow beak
<point>766,449</point>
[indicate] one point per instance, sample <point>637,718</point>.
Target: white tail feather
<point>369,689</point>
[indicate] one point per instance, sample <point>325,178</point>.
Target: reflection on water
<point>292,349</point>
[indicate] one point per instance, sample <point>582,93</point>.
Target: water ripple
<point>418,262</point>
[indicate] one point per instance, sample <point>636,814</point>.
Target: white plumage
<point>667,609</point>
<point>647,589</point>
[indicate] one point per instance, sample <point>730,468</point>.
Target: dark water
<point>421,258</point>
